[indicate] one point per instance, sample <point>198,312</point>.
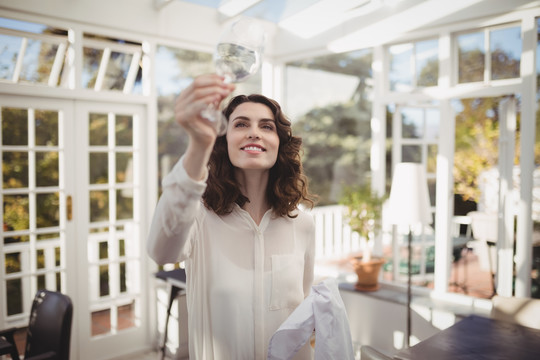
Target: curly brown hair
<point>287,184</point>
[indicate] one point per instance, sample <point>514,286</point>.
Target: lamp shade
<point>409,196</point>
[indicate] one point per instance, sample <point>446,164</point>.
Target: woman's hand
<point>203,91</point>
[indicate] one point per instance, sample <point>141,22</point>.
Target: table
<point>478,338</point>
<point>176,279</point>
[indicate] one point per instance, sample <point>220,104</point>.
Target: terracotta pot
<point>368,273</point>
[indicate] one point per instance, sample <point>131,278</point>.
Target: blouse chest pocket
<point>287,281</point>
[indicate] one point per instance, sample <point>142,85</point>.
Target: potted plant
<point>363,211</point>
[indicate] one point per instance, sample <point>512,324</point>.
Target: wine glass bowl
<point>239,51</point>
<point>237,56</point>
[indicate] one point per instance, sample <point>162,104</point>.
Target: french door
<point>415,132</point>
<point>486,139</point>
<point>71,208</point>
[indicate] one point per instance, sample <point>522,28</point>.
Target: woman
<point>229,210</point>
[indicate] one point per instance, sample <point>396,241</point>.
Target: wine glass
<point>237,56</point>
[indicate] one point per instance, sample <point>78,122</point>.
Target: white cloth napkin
<point>324,311</point>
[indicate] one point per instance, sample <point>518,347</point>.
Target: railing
<point>333,237</point>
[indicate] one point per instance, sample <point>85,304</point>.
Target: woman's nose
<point>254,133</point>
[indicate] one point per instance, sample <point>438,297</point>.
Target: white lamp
<point>409,205</point>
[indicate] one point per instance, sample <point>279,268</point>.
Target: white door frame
<point>116,342</point>
<point>73,167</point>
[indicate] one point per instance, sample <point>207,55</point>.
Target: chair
<point>369,353</point>
<point>522,311</point>
<point>179,277</point>
<point>484,229</point>
<point>48,334</point>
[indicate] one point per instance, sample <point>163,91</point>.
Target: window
<point>491,54</point>
<point>329,102</point>
<point>32,53</point>
<point>413,65</point>
<point>175,69</point>
<point>111,64</point>
<point>33,236</point>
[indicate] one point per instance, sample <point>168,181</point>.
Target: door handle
<point>69,207</point>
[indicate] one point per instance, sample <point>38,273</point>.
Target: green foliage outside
<point>337,138</point>
<point>363,209</point>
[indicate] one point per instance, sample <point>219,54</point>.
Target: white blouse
<point>243,280</point>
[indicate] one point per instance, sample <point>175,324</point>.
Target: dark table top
<point>478,338</point>
<point>176,277</point>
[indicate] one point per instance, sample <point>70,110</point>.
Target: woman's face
<point>252,138</point>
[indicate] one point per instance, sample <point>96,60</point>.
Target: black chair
<point>48,335</point>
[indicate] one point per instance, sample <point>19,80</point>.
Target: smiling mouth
<point>253,148</point>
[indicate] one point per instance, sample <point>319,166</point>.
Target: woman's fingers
<point>204,91</point>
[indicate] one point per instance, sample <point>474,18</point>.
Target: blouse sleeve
<point>175,214</point>
<point>309,257</point>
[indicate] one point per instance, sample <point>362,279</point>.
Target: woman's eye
<point>240,124</point>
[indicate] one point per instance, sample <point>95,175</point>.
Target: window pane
<point>41,282</point>
<point>36,56</point>
<point>117,70</point>
<point>57,256</point>
<point>123,284</point>
<point>106,69</point>
<point>47,169</point>
<point>124,205</point>
<point>124,130</point>
<point>46,128</point>
<point>104,280</point>
<point>411,153</point>
<point>99,206</point>
<point>400,67</point>
<point>15,169</point>
<point>333,120</point>
<point>101,322</point>
<point>40,259</point>
<point>98,129</point>
<point>48,236</point>
<point>13,263</point>
<point>124,167</point>
<point>412,123</point>
<point>471,57</point>
<point>91,61</point>
<point>38,61</point>
<point>8,55</point>
<point>127,316</point>
<point>99,168</point>
<point>14,126</point>
<point>505,46</point>
<point>16,212</point>
<point>121,247</point>
<point>58,279</point>
<point>14,296</point>
<point>174,71</point>
<point>47,212</point>
<point>427,63</point>
<point>103,250</point>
